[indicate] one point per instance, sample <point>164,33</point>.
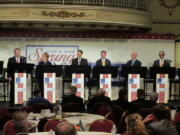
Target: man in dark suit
<point>161,62</point>
<point>99,98</point>
<point>72,98</point>
<point>16,59</point>
<point>133,62</point>
<point>103,61</point>
<point>79,60</point>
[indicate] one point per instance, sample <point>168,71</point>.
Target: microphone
<point>169,60</point>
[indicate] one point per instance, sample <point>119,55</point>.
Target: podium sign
<point>78,81</point>
<point>20,88</point>
<point>162,87</point>
<point>133,86</point>
<point>50,87</point>
<point>105,82</point>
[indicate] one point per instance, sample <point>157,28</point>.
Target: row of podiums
<point>80,74</point>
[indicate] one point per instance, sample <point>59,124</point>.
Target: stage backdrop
<point>62,50</point>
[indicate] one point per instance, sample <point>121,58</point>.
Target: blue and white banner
<point>162,87</point>
<point>105,83</point>
<point>58,54</point>
<point>20,88</point>
<point>78,81</point>
<point>133,86</point>
<point>50,87</point>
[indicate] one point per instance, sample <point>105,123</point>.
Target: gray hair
<point>154,96</point>
<point>65,128</point>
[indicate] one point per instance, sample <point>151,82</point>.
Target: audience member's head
<point>101,92</point>
<point>140,94</point>
<point>65,128</point>
<point>122,94</point>
<point>161,112</point>
<point>21,124</point>
<point>134,125</point>
<point>73,90</point>
<point>154,96</point>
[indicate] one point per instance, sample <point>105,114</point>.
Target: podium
<point>46,75</point>
<point>104,76</point>
<point>133,75</point>
<point>19,74</point>
<point>77,75</point>
<point>162,83</point>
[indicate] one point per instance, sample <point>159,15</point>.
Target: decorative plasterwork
<point>170,5</point>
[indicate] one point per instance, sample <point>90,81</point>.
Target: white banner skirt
<point>78,81</point>
<point>105,82</point>
<point>162,87</point>
<point>50,87</point>
<point>133,86</point>
<point>20,88</point>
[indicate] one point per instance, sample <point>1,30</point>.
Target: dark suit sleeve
<point>167,64</point>
<point>128,63</point>
<point>73,62</point>
<point>24,60</point>
<point>86,62</point>
<point>140,63</point>
<point>97,63</point>
<point>109,63</point>
<point>154,64</point>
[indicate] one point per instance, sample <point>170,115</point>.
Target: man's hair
<point>80,51</point>
<point>17,49</point>
<point>73,89</point>
<point>65,128</point>
<point>154,96</point>
<point>162,52</point>
<point>46,55</point>
<point>140,94</point>
<point>161,112</point>
<point>103,51</point>
<point>101,91</point>
<point>20,122</point>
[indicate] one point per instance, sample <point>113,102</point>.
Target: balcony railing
<point>135,4</point>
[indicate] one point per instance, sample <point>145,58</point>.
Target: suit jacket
<point>166,63</point>
<point>98,99</point>
<point>73,99</point>
<point>83,62</point>
<point>107,62</point>
<point>137,63</point>
<point>45,63</point>
<point>13,60</point>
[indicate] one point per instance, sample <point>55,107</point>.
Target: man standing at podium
<point>79,60</point>
<point>103,61</point>
<point>133,62</point>
<point>161,62</point>
<point>16,59</point>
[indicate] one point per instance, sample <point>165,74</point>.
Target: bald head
<point>134,55</point>
<point>65,128</point>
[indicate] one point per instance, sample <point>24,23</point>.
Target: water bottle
<point>113,130</point>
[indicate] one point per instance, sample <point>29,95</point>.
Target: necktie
<point>17,60</point>
<point>132,63</point>
<point>103,62</point>
<point>79,61</point>
<point>161,63</point>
